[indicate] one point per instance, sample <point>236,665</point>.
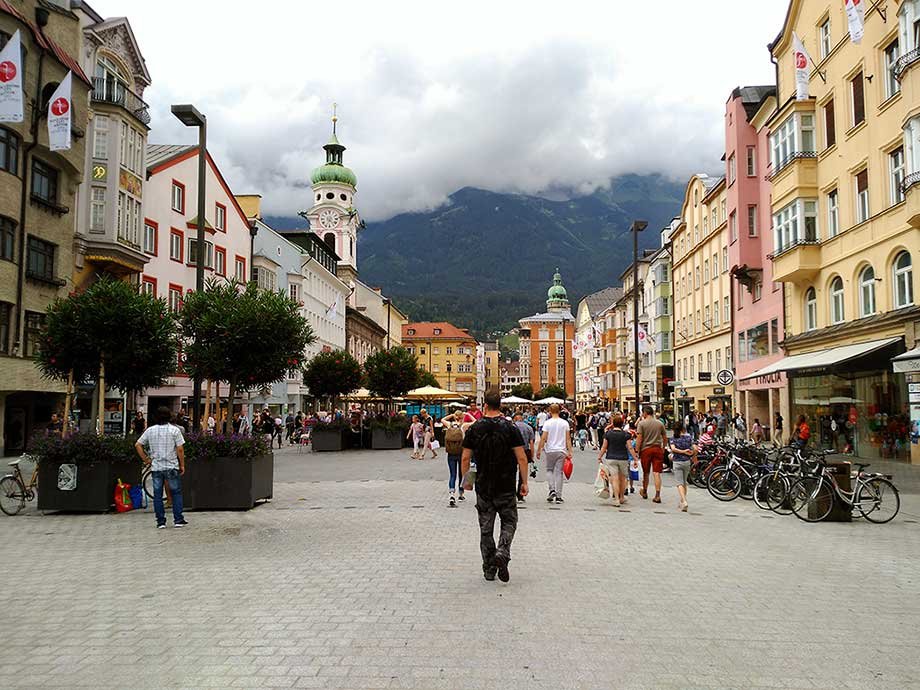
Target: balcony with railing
<point>903,63</point>
<point>797,261</point>
<point>115,93</point>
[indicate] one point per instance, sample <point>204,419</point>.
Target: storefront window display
<point>865,414</point>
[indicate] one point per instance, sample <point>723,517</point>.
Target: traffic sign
<point>725,377</point>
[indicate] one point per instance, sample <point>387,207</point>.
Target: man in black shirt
<point>499,451</point>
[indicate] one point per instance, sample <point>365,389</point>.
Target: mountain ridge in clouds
<point>485,259</point>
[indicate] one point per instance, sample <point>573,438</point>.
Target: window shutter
<point>862,181</point>
<point>829,125</point>
<point>859,107</point>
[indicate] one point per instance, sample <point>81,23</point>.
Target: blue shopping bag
<point>138,498</point>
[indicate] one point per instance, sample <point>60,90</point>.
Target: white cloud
<point>510,96</point>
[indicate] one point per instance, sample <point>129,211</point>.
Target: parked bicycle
<point>874,496</point>
<point>14,492</point>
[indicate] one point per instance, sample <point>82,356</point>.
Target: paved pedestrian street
<point>358,575</point>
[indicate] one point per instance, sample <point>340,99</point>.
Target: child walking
<point>417,434</point>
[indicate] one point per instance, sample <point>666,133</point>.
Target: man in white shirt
<point>161,447</point>
<point>541,420</point>
<point>557,442</point>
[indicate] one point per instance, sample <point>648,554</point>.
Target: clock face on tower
<point>328,218</point>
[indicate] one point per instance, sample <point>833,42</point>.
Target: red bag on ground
<point>123,501</point>
<point>567,467</point>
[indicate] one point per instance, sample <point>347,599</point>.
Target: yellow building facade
<point>845,175</point>
<point>702,298</point>
<point>446,351</point>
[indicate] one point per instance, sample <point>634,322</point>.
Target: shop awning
<point>823,358</point>
<point>908,362</point>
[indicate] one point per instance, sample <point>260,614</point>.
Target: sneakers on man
<point>501,562</point>
<point>461,497</point>
<point>181,524</point>
<point>489,573</point>
<point>558,499</point>
<point>163,526</point>
<point>552,497</point>
<point>453,502</point>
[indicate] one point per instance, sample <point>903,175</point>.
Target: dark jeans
<point>505,506</point>
<point>453,466</point>
<point>175,489</point>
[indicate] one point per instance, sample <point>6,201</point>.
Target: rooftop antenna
<point>335,117</point>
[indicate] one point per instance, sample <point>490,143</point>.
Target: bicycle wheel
<point>724,484</point>
<point>762,492</point>
<point>147,480</point>
<point>811,498</point>
<point>695,476</point>
<point>777,498</point>
<point>878,500</point>
<point>12,495</point>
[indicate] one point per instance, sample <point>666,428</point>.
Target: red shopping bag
<point>123,501</point>
<point>567,467</point>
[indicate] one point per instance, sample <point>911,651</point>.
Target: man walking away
<point>528,436</point>
<point>160,446</point>
<point>650,435</point>
<point>289,424</point>
<point>557,442</point>
<point>499,451</point>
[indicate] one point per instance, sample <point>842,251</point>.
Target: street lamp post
<point>449,369</point>
<point>637,227</point>
<point>189,116</point>
<point>387,302</point>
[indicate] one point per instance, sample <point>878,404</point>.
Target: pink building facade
<point>757,301</point>
<point>170,241</point>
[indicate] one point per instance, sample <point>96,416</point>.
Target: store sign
<point>100,172</point>
<point>718,390</point>
<point>725,377</point>
<point>906,365</point>
<point>705,376</point>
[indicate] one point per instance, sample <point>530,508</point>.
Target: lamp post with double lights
<point>189,116</point>
<point>637,227</point>
<point>449,369</point>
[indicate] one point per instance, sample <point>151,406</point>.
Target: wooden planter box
<point>95,489</point>
<point>381,440</point>
<point>325,440</point>
<point>228,483</point>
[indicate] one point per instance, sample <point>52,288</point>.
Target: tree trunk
<point>207,407</point>
<point>66,421</point>
<point>100,430</point>
<point>230,395</point>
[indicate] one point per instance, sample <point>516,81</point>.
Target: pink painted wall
<point>752,251</point>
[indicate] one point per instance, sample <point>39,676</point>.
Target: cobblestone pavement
<point>358,575</point>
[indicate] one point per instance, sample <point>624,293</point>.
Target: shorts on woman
<point>681,470</point>
<point>616,466</point>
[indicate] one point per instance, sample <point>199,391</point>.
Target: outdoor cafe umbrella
<point>515,400</point>
<point>431,394</point>
<point>549,401</point>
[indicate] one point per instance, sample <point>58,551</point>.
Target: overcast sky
<point>508,96</point>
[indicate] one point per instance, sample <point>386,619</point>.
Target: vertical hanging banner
<point>60,111</point>
<point>856,18</point>
<point>802,73</point>
<point>643,340</point>
<point>11,80</point>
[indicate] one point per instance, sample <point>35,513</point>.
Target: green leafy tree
<point>332,374</point>
<point>244,336</point>
<point>426,378</point>
<point>553,391</point>
<point>523,390</point>
<point>391,373</point>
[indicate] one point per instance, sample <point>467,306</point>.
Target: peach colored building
<point>757,300</point>
<point>546,343</point>
<point>169,240</point>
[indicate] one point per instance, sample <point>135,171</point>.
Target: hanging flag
<point>576,350</point>
<point>802,73</point>
<point>643,340</point>
<point>597,329</point>
<point>60,111</point>
<point>333,311</point>
<point>11,80</point>
<point>589,338</point>
<point>856,18</point>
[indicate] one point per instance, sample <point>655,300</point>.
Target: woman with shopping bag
<point>614,456</point>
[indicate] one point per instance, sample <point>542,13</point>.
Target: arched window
<point>837,313</point>
<point>329,239</point>
<point>867,292</point>
<point>811,310</point>
<point>903,281</point>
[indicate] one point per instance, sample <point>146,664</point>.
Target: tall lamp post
<point>189,116</point>
<point>386,301</point>
<point>449,369</point>
<point>637,227</point>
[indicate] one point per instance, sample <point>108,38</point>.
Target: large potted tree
<point>114,336</point>
<point>331,375</point>
<point>523,390</point>
<point>390,374</point>
<point>248,338</point>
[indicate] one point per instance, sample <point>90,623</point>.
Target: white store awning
<point>908,362</point>
<point>823,358</point>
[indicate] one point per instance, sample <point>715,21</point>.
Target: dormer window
<point>437,331</point>
<point>411,331</point>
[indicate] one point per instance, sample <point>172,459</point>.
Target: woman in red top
<point>802,432</point>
